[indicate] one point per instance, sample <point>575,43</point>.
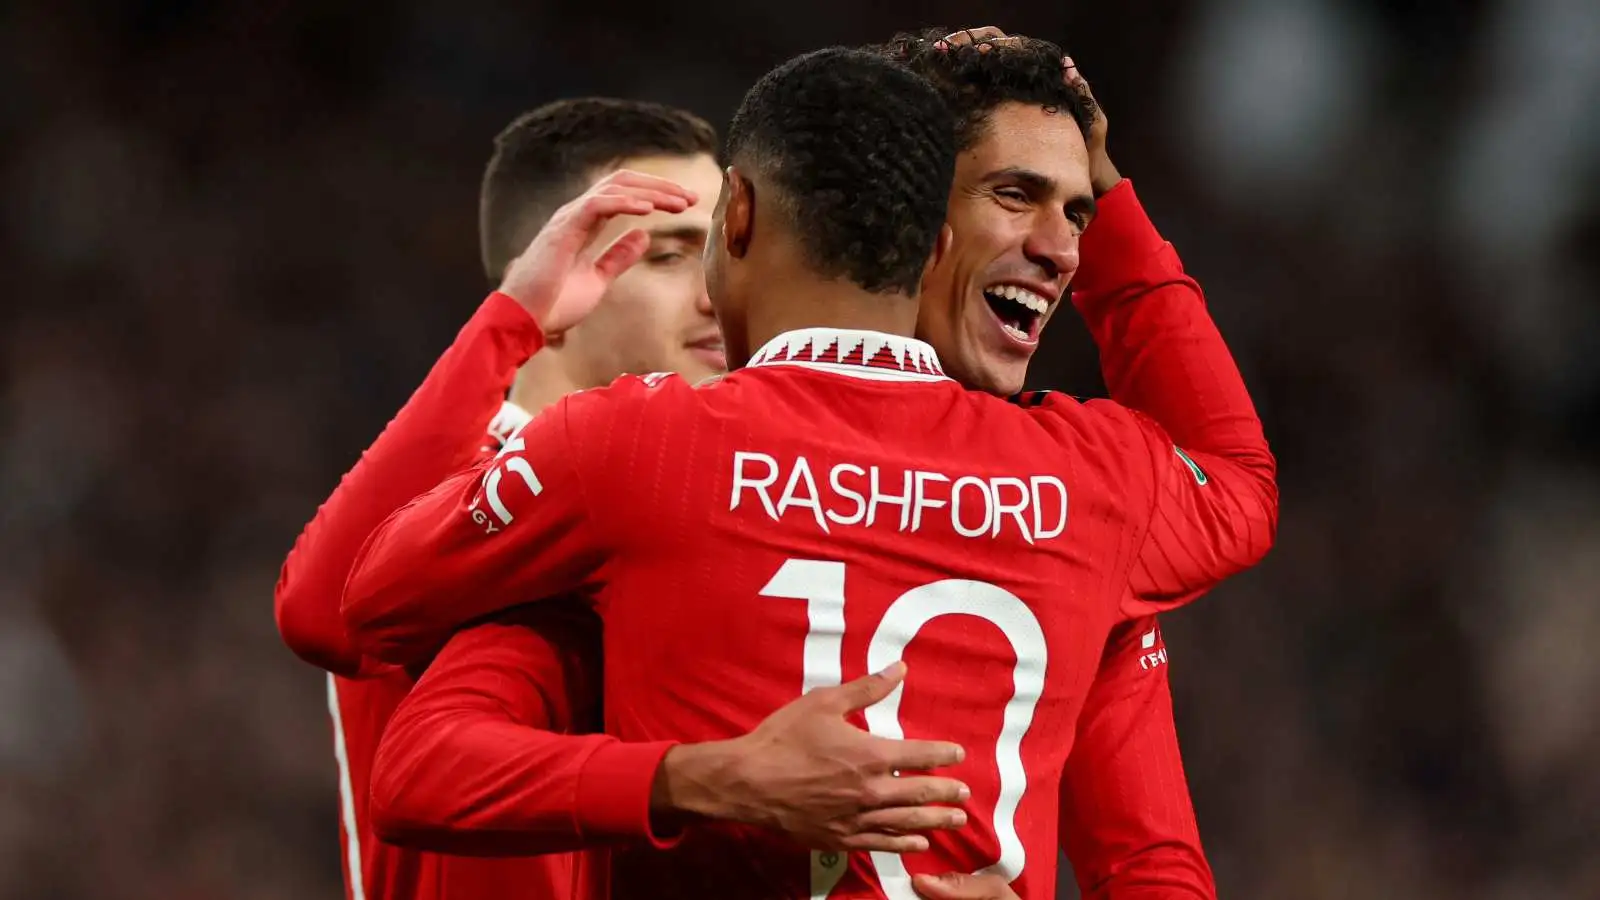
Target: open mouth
<point>1019,310</point>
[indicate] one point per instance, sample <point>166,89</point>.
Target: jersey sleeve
<point>1212,483</point>
<point>1127,822</point>
<point>440,430</point>
<point>516,528</point>
<point>471,763</point>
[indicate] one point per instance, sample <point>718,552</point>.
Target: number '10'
<point>821,585</point>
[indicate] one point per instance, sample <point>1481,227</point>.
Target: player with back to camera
<point>558,492</point>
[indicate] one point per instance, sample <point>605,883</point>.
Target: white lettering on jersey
<point>1151,657</point>
<point>821,584</point>
<point>1032,507</point>
<point>490,493</point>
<point>743,463</point>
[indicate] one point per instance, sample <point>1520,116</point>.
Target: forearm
<point>1160,351</point>
<point>474,784</point>
<point>483,757</point>
<point>1127,821</point>
<point>441,429</point>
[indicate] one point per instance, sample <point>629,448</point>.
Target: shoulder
<point>626,392</point>
<point>1098,416</point>
<point>1043,399</point>
<point>635,410</point>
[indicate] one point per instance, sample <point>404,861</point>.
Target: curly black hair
<point>861,153</point>
<point>975,81</point>
<point>550,155</point>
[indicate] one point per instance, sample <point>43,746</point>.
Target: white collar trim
<point>872,355</point>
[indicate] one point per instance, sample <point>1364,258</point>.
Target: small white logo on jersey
<point>491,485</point>
<point>1151,657</point>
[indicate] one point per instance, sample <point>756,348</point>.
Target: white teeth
<point>1021,295</point>
<point>1014,331</point>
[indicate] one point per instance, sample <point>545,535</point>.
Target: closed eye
<point>666,259</point>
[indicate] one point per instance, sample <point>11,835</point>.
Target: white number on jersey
<point>821,585</point>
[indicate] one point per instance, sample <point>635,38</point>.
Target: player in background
<point>1127,822</point>
<point>653,317</point>
<point>1139,498</point>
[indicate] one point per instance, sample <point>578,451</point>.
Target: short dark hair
<point>549,156</point>
<point>861,153</point>
<point>975,81</point>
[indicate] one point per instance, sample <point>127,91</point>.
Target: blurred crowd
<point>234,237</point>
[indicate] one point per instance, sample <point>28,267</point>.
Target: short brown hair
<point>548,156</point>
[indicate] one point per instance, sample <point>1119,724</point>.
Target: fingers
<point>622,254</point>
<point>625,193</point>
<point>910,820</point>
<point>886,843</point>
<point>595,208</point>
<point>864,691</point>
<point>975,35</point>
<point>632,179</point>
<point>956,886</point>
<point>919,756</point>
<point>581,220</point>
<point>1073,76</point>
<point>917,790</point>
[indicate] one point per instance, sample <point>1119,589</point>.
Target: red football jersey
<point>835,506</point>
<point>1127,822</point>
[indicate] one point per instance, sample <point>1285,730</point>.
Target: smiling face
<point>1019,204</point>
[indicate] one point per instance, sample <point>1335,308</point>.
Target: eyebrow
<point>1040,184</point>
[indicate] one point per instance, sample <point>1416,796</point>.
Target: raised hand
<point>828,784</point>
<point>562,275</point>
<point>1102,174</point>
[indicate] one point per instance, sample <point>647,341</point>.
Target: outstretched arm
<point>443,428</point>
<point>1127,822</point>
<point>469,764</point>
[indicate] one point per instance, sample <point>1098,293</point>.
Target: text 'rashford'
<point>1033,507</point>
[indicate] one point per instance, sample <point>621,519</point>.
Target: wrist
<point>695,780</point>
<point>1103,176</point>
<point>1103,173</point>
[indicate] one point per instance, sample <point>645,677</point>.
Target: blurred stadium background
<point>235,236</point>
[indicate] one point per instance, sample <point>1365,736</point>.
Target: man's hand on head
<point>564,272</point>
<point>983,36</point>
<point>809,773</point>
<point>1102,173</point>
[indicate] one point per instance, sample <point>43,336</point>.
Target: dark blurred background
<point>236,235</point>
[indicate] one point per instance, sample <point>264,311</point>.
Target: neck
<point>541,382</point>
<point>831,304</point>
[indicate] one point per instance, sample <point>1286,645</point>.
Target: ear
<point>738,213</point>
<point>941,247</point>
